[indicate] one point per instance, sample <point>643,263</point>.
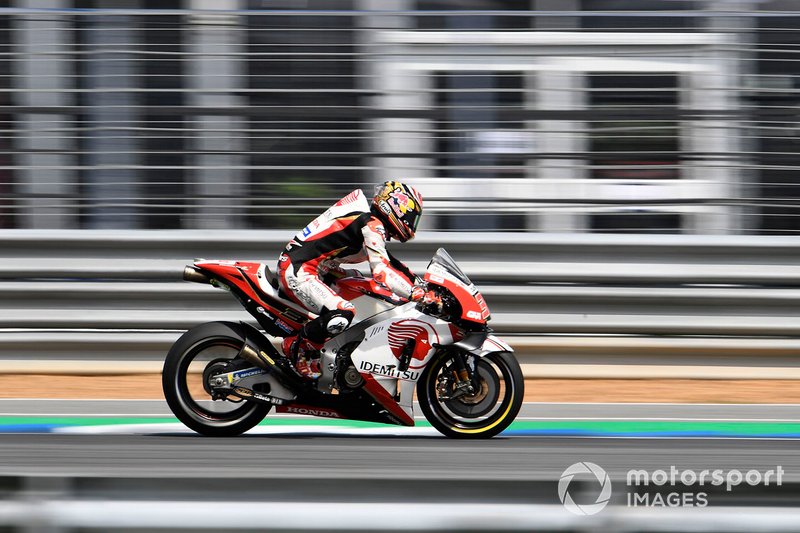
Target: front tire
<point>481,415</point>
<point>182,381</point>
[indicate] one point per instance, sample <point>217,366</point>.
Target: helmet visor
<point>411,219</point>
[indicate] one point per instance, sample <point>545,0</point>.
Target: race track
<point>419,458</point>
<point>139,439</point>
<point>98,465</point>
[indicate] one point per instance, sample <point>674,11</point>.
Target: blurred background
<point>633,116</point>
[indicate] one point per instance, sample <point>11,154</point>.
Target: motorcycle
<point>223,378</point>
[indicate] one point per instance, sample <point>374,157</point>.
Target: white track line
<point>139,429</point>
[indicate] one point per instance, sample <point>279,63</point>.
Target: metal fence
<point>666,116</point>
<point>570,305</point>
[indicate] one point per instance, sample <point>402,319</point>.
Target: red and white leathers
<point>345,233</point>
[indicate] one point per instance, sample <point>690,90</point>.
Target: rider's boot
<point>303,349</point>
<point>304,354</point>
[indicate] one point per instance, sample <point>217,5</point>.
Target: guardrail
<point>115,503</point>
<point>103,515</point>
<point>706,302</point>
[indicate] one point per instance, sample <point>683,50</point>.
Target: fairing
<point>395,339</point>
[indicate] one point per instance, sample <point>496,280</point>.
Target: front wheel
<point>483,414</point>
<point>197,352</point>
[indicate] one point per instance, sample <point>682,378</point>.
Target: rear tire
<point>482,415</point>
<point>186,402</point>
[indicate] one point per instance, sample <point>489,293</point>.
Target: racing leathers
<point>348,232</point>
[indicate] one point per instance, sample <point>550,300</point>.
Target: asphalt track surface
<point>167,451</point>
<point>321,457</point>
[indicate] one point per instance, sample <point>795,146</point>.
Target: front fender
<point>493,344</point>
<point>482,343</point>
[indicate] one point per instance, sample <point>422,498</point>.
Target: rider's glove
<point>426,297</point>
<point>417,293</point>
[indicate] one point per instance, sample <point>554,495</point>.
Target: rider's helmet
<point>399,207</point>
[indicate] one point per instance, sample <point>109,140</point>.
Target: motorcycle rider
<point>353,230</point>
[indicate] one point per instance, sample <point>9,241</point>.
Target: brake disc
<point>483,400</point>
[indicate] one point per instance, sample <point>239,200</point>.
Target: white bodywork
<point>384,338</point>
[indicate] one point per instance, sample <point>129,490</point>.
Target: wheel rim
<point>479,411</point>
<point>193,395</point>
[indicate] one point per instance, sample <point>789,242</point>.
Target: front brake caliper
<point>443,386</point>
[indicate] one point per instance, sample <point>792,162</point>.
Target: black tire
<point>209,337</point>
<point>479,416</point>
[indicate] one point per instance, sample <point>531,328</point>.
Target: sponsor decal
<point>389,371</point>
<point>482,304</point>
<point>283,325</point>
<point>391,418</point>
<point>293,315</point>
<point>422,333</point>
<point>306,231</point>
<point>247,393</point>
<point>401,202</point>
<point>385,208</point>
<point>436,270</point>
<point>313,411</point>
<point>474,315</point>
<point>247,373</point>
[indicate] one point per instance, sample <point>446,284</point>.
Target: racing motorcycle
<point>223,378</point>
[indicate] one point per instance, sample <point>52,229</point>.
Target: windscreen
<point>443,259</point>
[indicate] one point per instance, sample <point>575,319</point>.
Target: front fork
<point>459,378</point>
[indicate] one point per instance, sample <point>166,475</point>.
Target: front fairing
<point>443,272</point>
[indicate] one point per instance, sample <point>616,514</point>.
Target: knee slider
<point>337,321</point>
<point>327,324</point>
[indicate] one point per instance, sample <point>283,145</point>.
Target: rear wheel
<point>200,352</point>
<point>483,414</point>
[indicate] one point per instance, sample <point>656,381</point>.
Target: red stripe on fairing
<point>399,334</point>
<point>499,346</point>
<point>383,397</point>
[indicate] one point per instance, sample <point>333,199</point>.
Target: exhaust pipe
<point>192,273</point>
<point>264,361</point>
<point>249,353</point>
